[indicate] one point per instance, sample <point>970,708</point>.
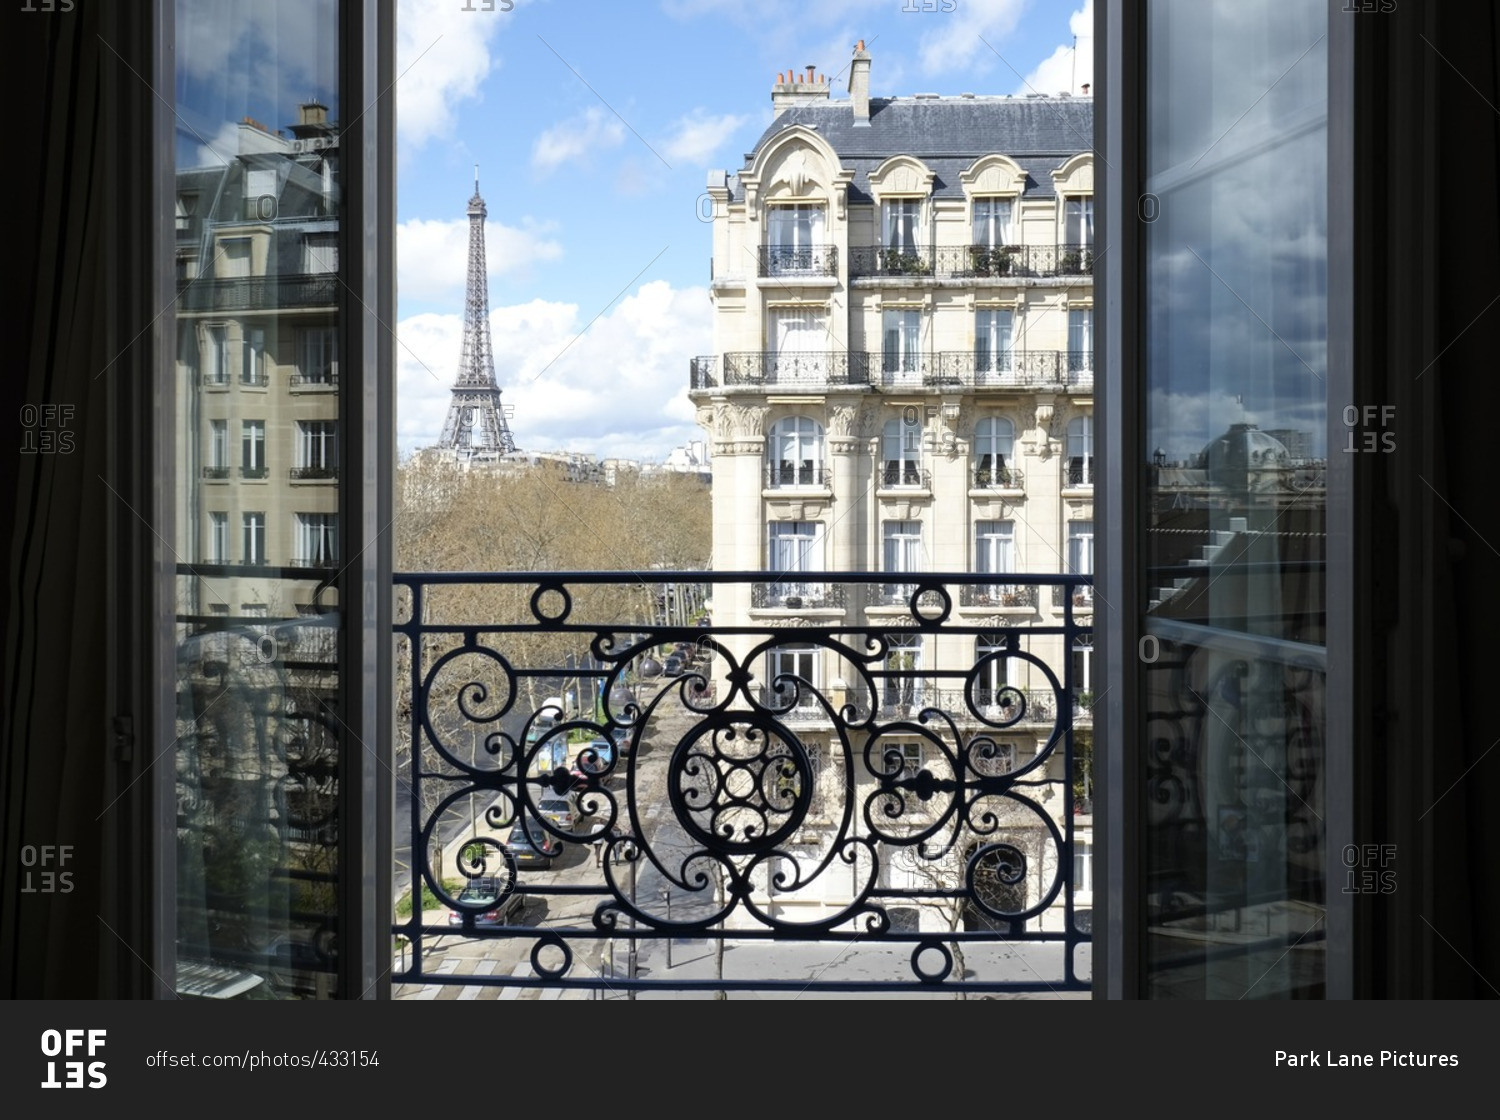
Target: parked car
<point>561,810</point>
<point>532,845</point>
<point>673,666</point>
<point>487,892</point>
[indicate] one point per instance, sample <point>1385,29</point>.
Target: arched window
<point>794,452</point>
<point>901,454</point>
<point>1081,451</point>
<point>994,444</point>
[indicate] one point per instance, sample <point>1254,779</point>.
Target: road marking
<point>471,991</point>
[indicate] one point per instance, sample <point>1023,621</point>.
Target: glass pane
<point>256,757</point>
<point>1236,406</point>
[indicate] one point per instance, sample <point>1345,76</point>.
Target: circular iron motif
<point>741,783</point>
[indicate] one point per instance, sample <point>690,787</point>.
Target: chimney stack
<point>859,84</point>
<point>796,88</point>
<point>1085,88</point>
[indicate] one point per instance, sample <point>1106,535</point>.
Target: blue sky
<point>594,125</point>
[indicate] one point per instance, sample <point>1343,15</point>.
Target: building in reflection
<point>903,382</point>
<point>258,365</point>
<point>257,262</point>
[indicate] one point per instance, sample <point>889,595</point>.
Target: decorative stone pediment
<point>993,175</point>
<point>901,175</point>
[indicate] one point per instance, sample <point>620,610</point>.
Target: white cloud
<point>953,40</point>
<point>575,139</point>
<point>697,136</point>
<point>442,59</point>
<point>1065,68</point>
<point>619,388</point>
<point>432,257</point>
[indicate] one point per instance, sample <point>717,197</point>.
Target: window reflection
<point>1235,342</point>
<point>256,220</point>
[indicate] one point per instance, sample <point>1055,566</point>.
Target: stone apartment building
<point>902,383</point>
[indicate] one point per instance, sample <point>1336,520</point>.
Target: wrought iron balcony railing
<point>876,260</point>
<point>259,293</point>
<point>254,472</point>
<point>801,260</point>
<point>1075,260</point>
<point>305,474</point>
<point>804,368</point>
<point>703,372</point>
<point>885,815</point>
<point>1082,595</point>
<point>898,476</point>
<point>314,379</point>
<point>972,262</point>
<point>1080,474</point>
<point>786,475</point>
<point>1001,478</point>
<point>797,594</point>
<point>997,595</point>
<point>217,473</point>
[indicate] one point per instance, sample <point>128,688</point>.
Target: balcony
<point>786,476</point>
<point>1080,368</point>
<point>259,293</point>
<point>254,472</point>
<point>1079,474</point>
<point>1003,478</point>
<point>1007,368</point>
<point>216,474</point>
<point>314,474</point>
<point>972,262</point>
<point>899,822</point>
<point>327,379</point>
<point>797,596</point>
<point>895,475</point>
<point>998,595</point>
<point>875,260</point>
<point>811,369</point>
<point>805,260</point>
<point>1081,594</point>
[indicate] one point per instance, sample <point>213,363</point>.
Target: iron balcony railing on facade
<point>877,260</point>
<point>897,369</point>
<point>254,472</point>
<point>985,368</point>
<point>799,260</point>
<point>1075,260</point>
<point>1082,595</point>
<point>785,475</point>
<point>895,475</point>
<point>305,474</point>
<point>314,379</point>
<point>882,816</point>
<point>1080,474</point>
<point>1080,367</point>
<point>217,473</point>
<point>797,594</point>
<point>806,368</point>
<point>703,372</point>
<point>255,379</point>
<point>259,293</point>
<point>999,478</point>
<point>997,595</point>
<point>971,262</point>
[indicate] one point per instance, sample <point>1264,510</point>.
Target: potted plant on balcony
<point>1013,597</point>
<point>988,261</point>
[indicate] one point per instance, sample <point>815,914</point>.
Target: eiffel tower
<point>476,426</point>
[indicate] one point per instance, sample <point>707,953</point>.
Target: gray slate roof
<point>948,134</point>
